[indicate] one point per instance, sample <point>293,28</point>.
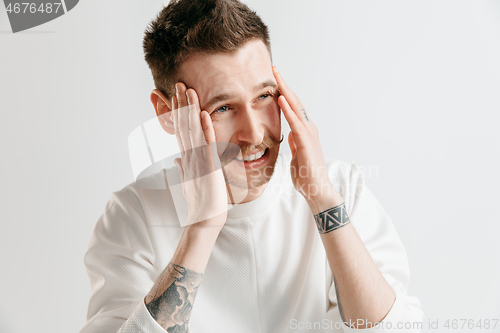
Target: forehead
<point>233,73</point>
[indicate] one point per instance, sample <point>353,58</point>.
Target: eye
<point>221,109</point>
<point>268,94</point>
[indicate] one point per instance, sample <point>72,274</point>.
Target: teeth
<point>254,157</point>
<point>249,158</point>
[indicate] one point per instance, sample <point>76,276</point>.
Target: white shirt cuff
<point>141,321</point>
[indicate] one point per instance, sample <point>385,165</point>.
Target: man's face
<point>239,92</point>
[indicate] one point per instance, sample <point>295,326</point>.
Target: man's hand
<point>199,166</point>
<point>357,278</point>
<point>171,299</point>
<point>308,169</point>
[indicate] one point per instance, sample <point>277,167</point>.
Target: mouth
<point>255,160</point>
<point>253,157</point>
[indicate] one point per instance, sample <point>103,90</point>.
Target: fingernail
<point>203,114</point>
<point>176,91</point>
<point>187,96</point>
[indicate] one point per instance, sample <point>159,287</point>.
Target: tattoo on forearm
<point>305,115</point>
<point>331,219</point>
<point>171,299</point>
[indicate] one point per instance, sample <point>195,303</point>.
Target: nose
<point>250,128</point>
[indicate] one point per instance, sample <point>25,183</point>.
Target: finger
<point>177,162</point>
<point>291,143</point>
<point>180,92</point>
<point>183,115</point>
<point>295,123</point>
<point>195,130</point>
<point>208,127</point>
<point>175,120</point>
<point>209,134</point>
<point>175,103</point>
<point>293,100</point>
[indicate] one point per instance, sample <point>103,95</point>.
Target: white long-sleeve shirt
<point>268,270</point>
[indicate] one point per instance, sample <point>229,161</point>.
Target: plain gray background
<point>408,90</point>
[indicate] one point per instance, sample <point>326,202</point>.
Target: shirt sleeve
<point>119,265</point>
<point>379,235</point>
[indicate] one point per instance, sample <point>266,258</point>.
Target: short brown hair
<point>184,27</point>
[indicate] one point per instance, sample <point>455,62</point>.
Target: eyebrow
<point>225,96</point>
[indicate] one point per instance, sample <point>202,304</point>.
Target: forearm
<point>362,291</point>
<point>171,299</point>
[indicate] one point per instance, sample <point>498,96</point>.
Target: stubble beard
<point>252,179</point>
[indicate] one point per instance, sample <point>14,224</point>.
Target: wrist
<point>206,228</point>
<point>201,220</point>
<point>196,245</point>
<point>324,198</point>
<point>321,203</point>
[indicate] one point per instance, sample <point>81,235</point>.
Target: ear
<point>163,108</point>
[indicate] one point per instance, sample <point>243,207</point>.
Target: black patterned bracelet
<point>331,219</point>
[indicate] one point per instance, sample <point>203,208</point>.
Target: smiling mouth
<point>253,157</point>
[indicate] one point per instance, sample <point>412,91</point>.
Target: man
<point>305,247</point>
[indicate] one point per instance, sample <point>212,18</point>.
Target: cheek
<point>219,129</point>
<point>274,117</point>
